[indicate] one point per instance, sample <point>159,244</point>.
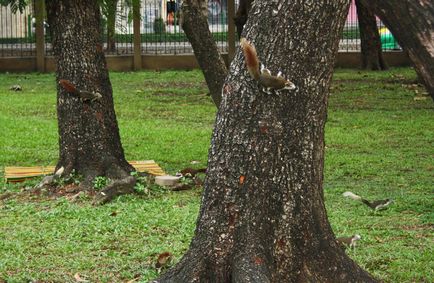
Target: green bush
<point>159,26</point>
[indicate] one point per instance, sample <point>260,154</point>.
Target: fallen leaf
<point>133,280</point>
<point>242,177</point>
<point>419,98</point>
<point>258,260</point>
<point>379,239</point>
<point>163,259</point>
<point>78,278</point>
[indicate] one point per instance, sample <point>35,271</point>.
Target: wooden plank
<point>20,174</point>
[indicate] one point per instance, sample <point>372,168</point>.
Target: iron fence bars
<point>17,32</point>
<point>117,27</point>
<point>160,29</point>
<point>350,38</point>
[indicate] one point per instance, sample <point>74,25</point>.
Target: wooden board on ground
<point>20,174</point>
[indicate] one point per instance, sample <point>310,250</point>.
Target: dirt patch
<point>72,192</point>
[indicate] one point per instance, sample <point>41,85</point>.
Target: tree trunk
<point>412,23</point>
<point>372,56</point>
<point>89,140</point>
<point>111,10</point>
<point>242,15</point>
<point>262,217</point>
<point>195,26</point>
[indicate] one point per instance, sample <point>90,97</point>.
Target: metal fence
<point>17,32</point>
<point>350,38</point>
<point>160,31</point>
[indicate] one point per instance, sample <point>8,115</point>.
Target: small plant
<point>72,178</point>
<point>159,26</point>
<point>142,183</point>
<point>100,182</point>
<point>186,181</point>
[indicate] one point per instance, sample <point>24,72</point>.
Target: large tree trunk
<point>372,56</point>
<point>412,23</point>
<point>89,140</point>
<point>195,26</point>
<point>262,217</point>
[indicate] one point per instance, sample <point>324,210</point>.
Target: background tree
<point>262,217</point>
<point>89,140</point>
<point>16,5</point>
<point>195,25</point>
<point>109,10</point>
<point>372,56</point>
<point>242,14</point>
<point>412,23</point>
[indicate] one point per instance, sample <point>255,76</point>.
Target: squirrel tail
<point>68,86</point>
<point>251,58</point>
<point>352,196</point>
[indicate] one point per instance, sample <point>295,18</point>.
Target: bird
<point>349,241</point>
<point>375,205</point>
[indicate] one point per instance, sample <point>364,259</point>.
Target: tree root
<point>114,189</point>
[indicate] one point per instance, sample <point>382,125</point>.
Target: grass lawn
<point>379,144</point>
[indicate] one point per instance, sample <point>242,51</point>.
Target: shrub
<point>159,26</point>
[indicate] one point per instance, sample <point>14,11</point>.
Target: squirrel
<point>263,75</point>
<point>83,94</point>
<point>375,205</point>
<point>190,172</point>
<point>349,241</point>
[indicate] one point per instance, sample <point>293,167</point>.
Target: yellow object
<point>383,31</point>
<point>20,174</point>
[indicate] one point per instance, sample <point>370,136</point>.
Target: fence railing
<point>17,32</point>
<point>160,31</point>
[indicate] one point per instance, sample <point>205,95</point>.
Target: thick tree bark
<point>89,140</point>
<point>262,217</point>
<point>195,26</point>
<point>412,24</point>
<point>372,56</point>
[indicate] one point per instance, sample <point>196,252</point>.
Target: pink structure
<point>352,14</point>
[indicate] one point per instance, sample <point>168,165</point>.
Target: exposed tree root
<point>114,189</point>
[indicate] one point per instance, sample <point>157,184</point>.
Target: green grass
<point>379,139</point>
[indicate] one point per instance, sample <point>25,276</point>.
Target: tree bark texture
<point>372,56</point>
<point>195,26</point>
<point>89,140</point>
<point>412,24</point>
<point>262,217</point>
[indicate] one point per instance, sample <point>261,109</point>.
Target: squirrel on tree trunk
<point>263,75</point>
<point>83,94</point>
